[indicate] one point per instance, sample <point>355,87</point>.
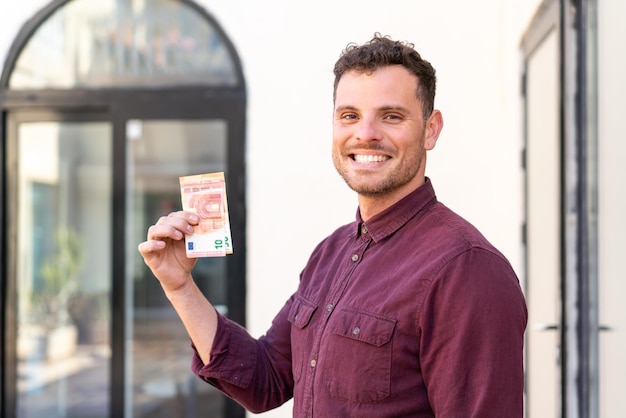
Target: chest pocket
<point>300,316</point>
<point>358,359</point>
<point>301,312</point>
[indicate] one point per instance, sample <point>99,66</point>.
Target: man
<point>406,312</point>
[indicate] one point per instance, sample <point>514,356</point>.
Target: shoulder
<point>446,228</point>
<point>459,253</point>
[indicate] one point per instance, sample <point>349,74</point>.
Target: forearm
<point>197,314</point>
<point>256,373</point>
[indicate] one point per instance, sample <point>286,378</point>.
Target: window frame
<point>118,105</point>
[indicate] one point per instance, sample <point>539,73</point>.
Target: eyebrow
<point>383,108</point>
<point>396,108</point>
<point>345,107</point>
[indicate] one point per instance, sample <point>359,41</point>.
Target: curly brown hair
<point>381,51</point>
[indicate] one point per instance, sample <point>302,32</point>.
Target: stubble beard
<point>397,178</point>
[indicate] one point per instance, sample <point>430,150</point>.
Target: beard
<point>371,184</point>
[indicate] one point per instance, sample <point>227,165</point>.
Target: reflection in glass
<point>106,43</point>
<point>63,271</point>
<point>158,349</point>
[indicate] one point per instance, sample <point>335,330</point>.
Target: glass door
<point>159,381</point>
<point>66,356</point>
<point>60,203</point>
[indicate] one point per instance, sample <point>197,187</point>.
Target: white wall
<point>611,204</point>
<point>12,19</point>
<point>295,197</point>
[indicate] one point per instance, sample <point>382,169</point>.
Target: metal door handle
<point>545,327</point>
<point>553,327</point>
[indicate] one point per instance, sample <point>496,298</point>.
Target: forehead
<point>389,83</point>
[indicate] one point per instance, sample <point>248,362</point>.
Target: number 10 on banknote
<point>205,195</point>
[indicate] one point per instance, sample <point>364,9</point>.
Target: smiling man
<point>406,312</point>
<point>381,135</point>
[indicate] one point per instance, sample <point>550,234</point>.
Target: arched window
<point>105,104</point>
<point>96,43</point>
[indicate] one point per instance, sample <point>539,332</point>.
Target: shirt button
<point>313,363</point>
<point>330,307</point>
<point>355,257</point>
<point>356,330</point>
<point>363,229</point>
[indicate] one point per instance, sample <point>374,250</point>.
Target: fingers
<point>171,227</point>
<point>148,247</point>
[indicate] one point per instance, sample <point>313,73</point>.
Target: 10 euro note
<point>205,195</point>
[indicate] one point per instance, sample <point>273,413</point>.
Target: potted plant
<point>52,333</point>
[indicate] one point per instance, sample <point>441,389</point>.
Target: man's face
<point>379,134</point>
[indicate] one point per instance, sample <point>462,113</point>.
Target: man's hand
<point>164,250</point>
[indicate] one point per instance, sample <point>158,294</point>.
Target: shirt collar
<point>385,223</point>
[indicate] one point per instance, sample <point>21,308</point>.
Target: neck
<point>372,205</point>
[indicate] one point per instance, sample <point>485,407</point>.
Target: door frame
<point>118,107</point>
<point>542,325</point>
<point>579,323</point>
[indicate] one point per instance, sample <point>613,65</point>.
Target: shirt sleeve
<point>255,372</point>
<point>472,337</point>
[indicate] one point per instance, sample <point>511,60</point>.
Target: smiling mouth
<point>366,158</point>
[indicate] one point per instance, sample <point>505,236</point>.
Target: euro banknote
<point>205,195</point>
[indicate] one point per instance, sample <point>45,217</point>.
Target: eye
<point>348,116</point>
<point>393,117</point>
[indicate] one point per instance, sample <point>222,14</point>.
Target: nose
<point>367,130</point>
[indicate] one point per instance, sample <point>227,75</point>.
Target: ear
<point>434,125</point>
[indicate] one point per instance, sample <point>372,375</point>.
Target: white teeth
<point>369,158</point>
